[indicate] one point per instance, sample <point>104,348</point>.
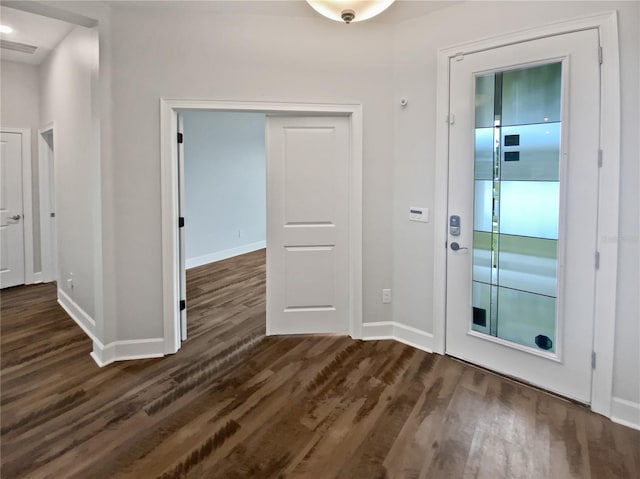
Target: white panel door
<point>307,224</point>
<point>11,215</point>
<point>523,188</point>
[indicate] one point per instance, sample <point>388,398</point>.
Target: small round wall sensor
<point>404,102</point>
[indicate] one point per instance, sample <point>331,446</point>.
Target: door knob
<point>455,246</point>
<point>15,217</point>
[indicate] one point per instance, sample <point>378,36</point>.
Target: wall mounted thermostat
<point>454,225</point>
<point>417,213</point>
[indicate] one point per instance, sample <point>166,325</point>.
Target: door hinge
<point>593,359</point>
<point>597,259</point>
<point>600,55</point>
<point>600,158</point>
<point>180,138</point>
<point>451,118</point>
<point>183,305</point>
<point>181,222</point>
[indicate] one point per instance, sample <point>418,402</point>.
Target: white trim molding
<point>104,355</point>
<point>608,207</point>
<point>398,332</point>
<point>224,254</point>
<point>171,275</point>
<point>625,412</point>
<point>27,200</point>
<point>79,315</point>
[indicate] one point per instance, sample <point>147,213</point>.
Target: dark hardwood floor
<point>235,404</point>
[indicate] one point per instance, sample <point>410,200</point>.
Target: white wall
<point>210,55</point>
<point>225,184</point>
<point>416,45</point>
<point>19,109</point>
<point>68,79</point>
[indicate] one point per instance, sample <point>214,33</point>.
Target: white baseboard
<point>115,351</point>
<point>128,349</point>
<point>381,330</point>
<point>79,315</point>
<point>224,254</point>
<point>625,412</point>
<point>398,332</point>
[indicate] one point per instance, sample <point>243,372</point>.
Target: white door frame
<point>27,202</point>
<point>609,175</point>
<point>169,181</point>
<point>45,177</point>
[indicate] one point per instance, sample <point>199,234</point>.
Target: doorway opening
<point>48,205</point>
<point>224,234</point>
<point>310,130</point>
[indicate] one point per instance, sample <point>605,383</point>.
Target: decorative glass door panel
<point>516,204</point>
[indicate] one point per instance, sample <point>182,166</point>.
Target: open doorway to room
<point>224,206</point>
<point>48,205</point>
<point>313,177</point>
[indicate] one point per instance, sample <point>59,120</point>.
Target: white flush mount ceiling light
<point>5,29</point>
<point>350,10</point>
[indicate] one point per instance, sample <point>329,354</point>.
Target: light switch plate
<point>419,213</point>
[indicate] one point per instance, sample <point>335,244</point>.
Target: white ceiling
<point>399,11</point>
<point>46,33</point>
<point>42,32</point>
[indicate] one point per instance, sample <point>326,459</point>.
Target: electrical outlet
<point>386,296</point>
<point>240,233</point>
<point>70,282</point>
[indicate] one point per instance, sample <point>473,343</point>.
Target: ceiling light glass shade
<point>5,29</point>
<point>350,10</point>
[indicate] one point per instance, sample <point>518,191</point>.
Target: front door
<point>307,224</point>
<point>11,214</point>
<point>523,175</point>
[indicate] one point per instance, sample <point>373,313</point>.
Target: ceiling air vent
<point>18,47</point>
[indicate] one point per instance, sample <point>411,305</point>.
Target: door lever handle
<point>455,246</point>
<point>15,217</point>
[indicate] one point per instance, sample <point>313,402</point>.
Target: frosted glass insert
<point>531,95</point>
<point>538,152</point>
<point>529,208</point>
<point>516,204</point>
<point>484,100</point>
<point>523,316</point>
<point>528,264</point>
<point>482,256</point>
<point>482,215</point>
<point>484,154</point>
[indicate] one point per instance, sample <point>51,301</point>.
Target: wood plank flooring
<point>235,404</point>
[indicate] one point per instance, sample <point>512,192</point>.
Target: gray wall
<point>211,55</point>
<point>68,79</point>
<point>416,45</point>
<point>214,55</point>
<point>225,184</point>
<point>19,98</point>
